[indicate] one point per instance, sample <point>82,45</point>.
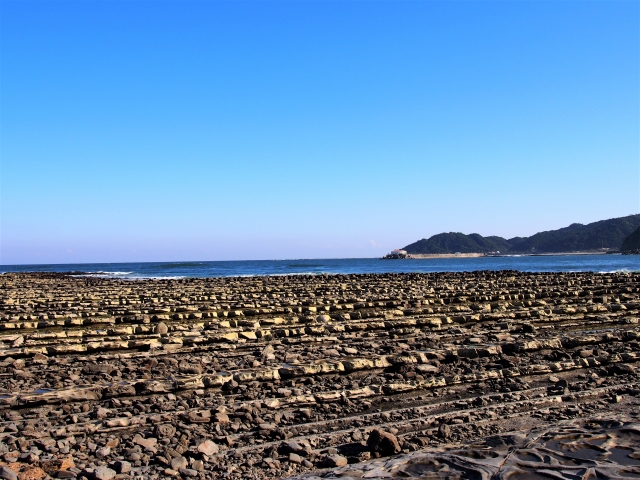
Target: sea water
<point>556,263</point>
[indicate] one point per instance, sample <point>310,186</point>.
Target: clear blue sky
<point>197,130</point>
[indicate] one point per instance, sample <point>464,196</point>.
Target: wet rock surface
<point>448,375</point>
<point>605,448</point>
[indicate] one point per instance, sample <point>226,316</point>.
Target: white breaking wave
<point>104,274</point>
<point>620,270</point>
<point>133,276</point>
<point>249,275</point>
<point>150,277</point>
<point>115,273</point>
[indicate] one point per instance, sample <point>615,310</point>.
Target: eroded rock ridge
<point>324,375</point>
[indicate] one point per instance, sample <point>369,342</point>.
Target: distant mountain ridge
<point>576,237</point>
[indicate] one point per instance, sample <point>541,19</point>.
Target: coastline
<point>203,269</point>
<point>419,256</point>
<point>422,256</point>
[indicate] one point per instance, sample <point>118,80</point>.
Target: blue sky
<point>153,131</point>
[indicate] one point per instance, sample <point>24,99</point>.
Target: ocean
<point>559,263</point>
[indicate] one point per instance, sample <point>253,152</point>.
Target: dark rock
<point>383,443</point>
<point>189,472</point>
<point>121,466</point>
<point>331,461</point>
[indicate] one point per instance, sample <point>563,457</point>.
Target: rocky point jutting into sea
<point>442,375</point>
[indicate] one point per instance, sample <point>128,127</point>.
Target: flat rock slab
<point>602,448</point>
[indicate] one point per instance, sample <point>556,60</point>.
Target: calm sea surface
<point>567,263</point>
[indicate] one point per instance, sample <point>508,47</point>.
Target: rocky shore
<point>443,375</point>
<point>400,256</point>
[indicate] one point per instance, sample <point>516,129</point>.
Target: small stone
<point>112,443</point>
<point>289,447</point>
<point>190,369</point>
<point>145,442</point>
<point>179,462</point>
<point>208,448</point>
<point>284,392</point>
<point>66,474</point>
<point>295,458</point>
<point>122,466</point>
<point>134,456</point>
<point>331,461</point>
<point>189,472</point>
<point>40,358</point>
<point>306,413</point>
<point>162,329</point>
<point>363,456</point>
<point>102,413</point>
<point>221,417</point>
<point>103,452</point>
<point>103,473</point>
<point>165,430</point>
<point>29,457</point>
<point>117,422</point>
<point>383,442</point>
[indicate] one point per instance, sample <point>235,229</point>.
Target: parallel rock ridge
<point>269,377</point>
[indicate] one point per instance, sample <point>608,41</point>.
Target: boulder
<point>162,328</point>
<point>383,443</point>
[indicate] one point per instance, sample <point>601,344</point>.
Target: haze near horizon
<point>165,131</point>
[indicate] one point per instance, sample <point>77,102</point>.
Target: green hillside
<point>576,237</point>
<point>632,242</point>
<point>454,242</point>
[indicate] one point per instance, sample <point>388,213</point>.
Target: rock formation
<point>324,375</point>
